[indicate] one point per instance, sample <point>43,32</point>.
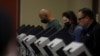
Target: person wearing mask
<point>70,24</point>
<point>90,30</point>
<point>48,19</point>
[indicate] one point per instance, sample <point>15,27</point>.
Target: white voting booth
<point>41,43</point>
<point>55,45</point>
<point>72,49</point>
<point>76,49</point>
<point>30,39</point>
<point>50,47</point>
<point>21,36</point>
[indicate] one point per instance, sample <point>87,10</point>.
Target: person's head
<point>69,17</point>
<point>85,17</point>
<point>45,16</point>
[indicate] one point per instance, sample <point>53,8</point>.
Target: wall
<point>29,9</point>
<point>75,5</point>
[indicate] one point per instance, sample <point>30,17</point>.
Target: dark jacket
<point>88,37</point>
<point>97,40</point>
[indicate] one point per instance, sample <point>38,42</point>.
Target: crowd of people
<point>82,27</point>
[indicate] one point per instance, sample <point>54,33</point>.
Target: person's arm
<point>77,33</point>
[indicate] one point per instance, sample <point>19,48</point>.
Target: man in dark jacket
<point>89,35</point>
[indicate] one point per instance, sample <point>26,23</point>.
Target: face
<point>65,19</point>
<point>43,18</point>
<point>67,22</point>
<point>82,21</point>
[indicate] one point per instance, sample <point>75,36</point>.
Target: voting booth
<point>36,41</point>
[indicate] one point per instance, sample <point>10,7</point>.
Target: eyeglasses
<point>81,18</point>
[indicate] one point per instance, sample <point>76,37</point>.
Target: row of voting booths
<point>37,41</point>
